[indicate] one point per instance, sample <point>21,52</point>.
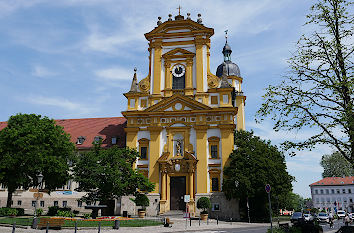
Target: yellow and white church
<point>181,117</point>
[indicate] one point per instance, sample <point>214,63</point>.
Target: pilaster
<point>199,42</point>
<point>227,141</point>
<point>157,45</point>
<point>154,156</point>
<point>202,165</point>
<point>189,78</point>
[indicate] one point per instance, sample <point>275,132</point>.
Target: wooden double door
<point>177,191</point>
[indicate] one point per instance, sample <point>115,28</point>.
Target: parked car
<point>308,217</point>
<point>296,217</point>
<point>323,217</point>
<point>351,216</point>
<point>341,214</point>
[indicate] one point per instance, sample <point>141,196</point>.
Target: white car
<point>308,217</point>
<point>341,213</point>
<point>323,217</point>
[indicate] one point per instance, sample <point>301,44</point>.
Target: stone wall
<point>126,204</point>
<point>221,207</point>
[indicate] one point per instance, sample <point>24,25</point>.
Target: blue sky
<point>75,58</point>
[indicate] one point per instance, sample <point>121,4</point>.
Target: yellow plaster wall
<point>240,103</point>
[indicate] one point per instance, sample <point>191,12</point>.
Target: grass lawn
<point>27,221</point>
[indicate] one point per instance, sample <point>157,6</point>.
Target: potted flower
<point>141,200</point>
<point>203,203</point>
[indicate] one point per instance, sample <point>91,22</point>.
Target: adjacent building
<point>333,193</point>
<point>83,133</point>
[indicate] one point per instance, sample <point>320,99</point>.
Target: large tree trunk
<point>9,197</point>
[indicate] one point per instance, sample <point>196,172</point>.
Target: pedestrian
<point>346,220</point>
<point>330,220</point>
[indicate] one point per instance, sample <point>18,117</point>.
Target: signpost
<point>187,199</point>
<point>267,188</point>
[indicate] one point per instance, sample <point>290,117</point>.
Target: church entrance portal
<point>178,190</point>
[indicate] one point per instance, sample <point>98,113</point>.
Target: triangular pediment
<point>178,52</point>
<point>187,25</point>
<point>177,102</point>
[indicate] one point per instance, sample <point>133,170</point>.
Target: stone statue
<point>179,147</point>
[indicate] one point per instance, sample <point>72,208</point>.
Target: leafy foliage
<point>204,203</point>
<point>317,93</point>
<point>335,165</point>
<point>5,211</point>
<point>141,200</point>
<point>252,165</point>
<point>31,144</point>
<point>107,174</point>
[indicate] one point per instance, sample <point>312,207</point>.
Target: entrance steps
<point>173,214</point>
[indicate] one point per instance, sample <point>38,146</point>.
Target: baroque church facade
<point>181,117</point>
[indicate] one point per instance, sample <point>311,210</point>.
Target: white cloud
<point>115,74</point>
<point>41,71</point>
<point>63,103</point>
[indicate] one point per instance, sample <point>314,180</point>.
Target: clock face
<point>178,71</point>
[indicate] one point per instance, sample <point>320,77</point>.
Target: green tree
<point>31,144</point>
<point>106,174</point>
<point>252,165</point>
<point>294,201</point>
<point>317,93</point>
<point>335,165</point>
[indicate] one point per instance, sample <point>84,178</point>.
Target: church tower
<point>181,117</point>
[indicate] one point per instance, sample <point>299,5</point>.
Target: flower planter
<point>141,213</point>
<point>203,217</point>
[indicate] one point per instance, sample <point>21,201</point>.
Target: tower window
<point>215,184</point>
<point>143,152</point>
<point>42,203</point>
<point>214,151</point>
<point>178,73</point>
<point>143,148</point>
<point>114,140</point>
<point>19,202</point>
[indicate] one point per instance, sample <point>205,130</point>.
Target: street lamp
<point>35,220</point>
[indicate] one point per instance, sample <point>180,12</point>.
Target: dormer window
<point>80,140</point>
<point>97,139</point>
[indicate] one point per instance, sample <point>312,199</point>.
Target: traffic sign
<point>267,188</point>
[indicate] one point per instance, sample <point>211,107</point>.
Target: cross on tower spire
<point>179,9</point>
<point>226,35</point>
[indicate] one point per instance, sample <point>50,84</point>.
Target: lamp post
<point>35,220</point>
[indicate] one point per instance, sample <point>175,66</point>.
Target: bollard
<point>116,224</point>
<point>231,221</point>
<point>190,222</point>
<point>47,228</point>
<point>75,226</point>
<point>13,227</point>
<point>207,221</point>
<point>99,227</point>
<point>199,221</point>
<point>186,222</point>
<point>217,219</point>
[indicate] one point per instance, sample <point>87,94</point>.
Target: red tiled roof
<point>90,128</point>
<point>335,181</point>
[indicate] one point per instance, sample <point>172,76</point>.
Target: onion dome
<point>231,68</point>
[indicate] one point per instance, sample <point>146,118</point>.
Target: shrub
<point>39,212</point>
<point>65,213</point>
<point>20,211</point>
<point>8,211</point>
<point>141,200</point>
<point>52,210</point>
<point>76,212</point>
<point>203,203</point>
<point>87,215</point>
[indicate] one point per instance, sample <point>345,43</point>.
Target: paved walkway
<point>178,226</point>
